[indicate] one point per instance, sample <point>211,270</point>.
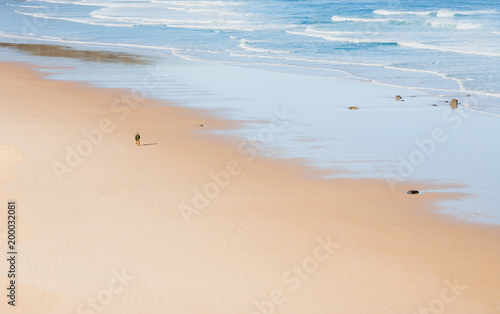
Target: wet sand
<point>192,222</point>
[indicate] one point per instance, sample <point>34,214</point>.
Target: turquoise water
<point>443,47</point>
<point>245,59</point>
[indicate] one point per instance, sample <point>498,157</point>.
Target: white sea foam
<point>87,43</point>
<point>210,15</point>
<point>439,74</point>
<point>459,50</point>
<point>51,37</point>
<point>450,13</point>
<point>319,61</point>
<point>453,24</point>
<point>26,6</point>
<point>215,15</point>
<point>387,12</point>
<point>76,20</point>
<point>445,13</point>
<point>192,3</point>
<point>337,36</point>
<point>439,13</point>
<point>245,45</point>
<point>311,30</point>
<point>313,61</point>
<point>372,65</point>
<point>179,23</point>
<point>336,18</point>
<point>468,26</point>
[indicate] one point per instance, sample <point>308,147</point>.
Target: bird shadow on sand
<point>149,144</point>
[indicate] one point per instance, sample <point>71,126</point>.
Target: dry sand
<point>110,236</point>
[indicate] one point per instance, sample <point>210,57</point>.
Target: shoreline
<point>122,209</point>
<point>343,155</point>
<point>146,54</point>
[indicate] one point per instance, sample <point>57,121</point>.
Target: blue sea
<point>439,46</point>
<point>244,59</point>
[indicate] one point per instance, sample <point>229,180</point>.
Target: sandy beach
<point>193,222</point>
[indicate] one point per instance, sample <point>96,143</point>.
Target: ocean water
<point>245,59</point>
<point>442,47</point>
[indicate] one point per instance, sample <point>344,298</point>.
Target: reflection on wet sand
<point>85,55</point>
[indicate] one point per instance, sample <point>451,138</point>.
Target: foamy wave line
<point>329,37</point>
<point>444,76</point>
<point>198,7</point>
<point>448,49</point>
<point>176,53</point>
<point>81,21</point>
<point>191,23</point>
<point>187,24</point>
<point>314,61</point>
<point>308,60</point>
<point>311,30</point>
<point>69,2</point>
<point>466,26</point>
<point>448,24</point>
<point>460,82</point>
<point>172,50</point>
<point>51,37</point>
<point>26,6</point>
<point>188,3</point>
<point>284,59</point>
<point>244,44</point>
<point>192,3</point>
<point>439,13</point>
<point>336,18</point>
<point>387,12</point>
<point>450,13</point>
<point>90,43</point>
<point>209,25</point>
